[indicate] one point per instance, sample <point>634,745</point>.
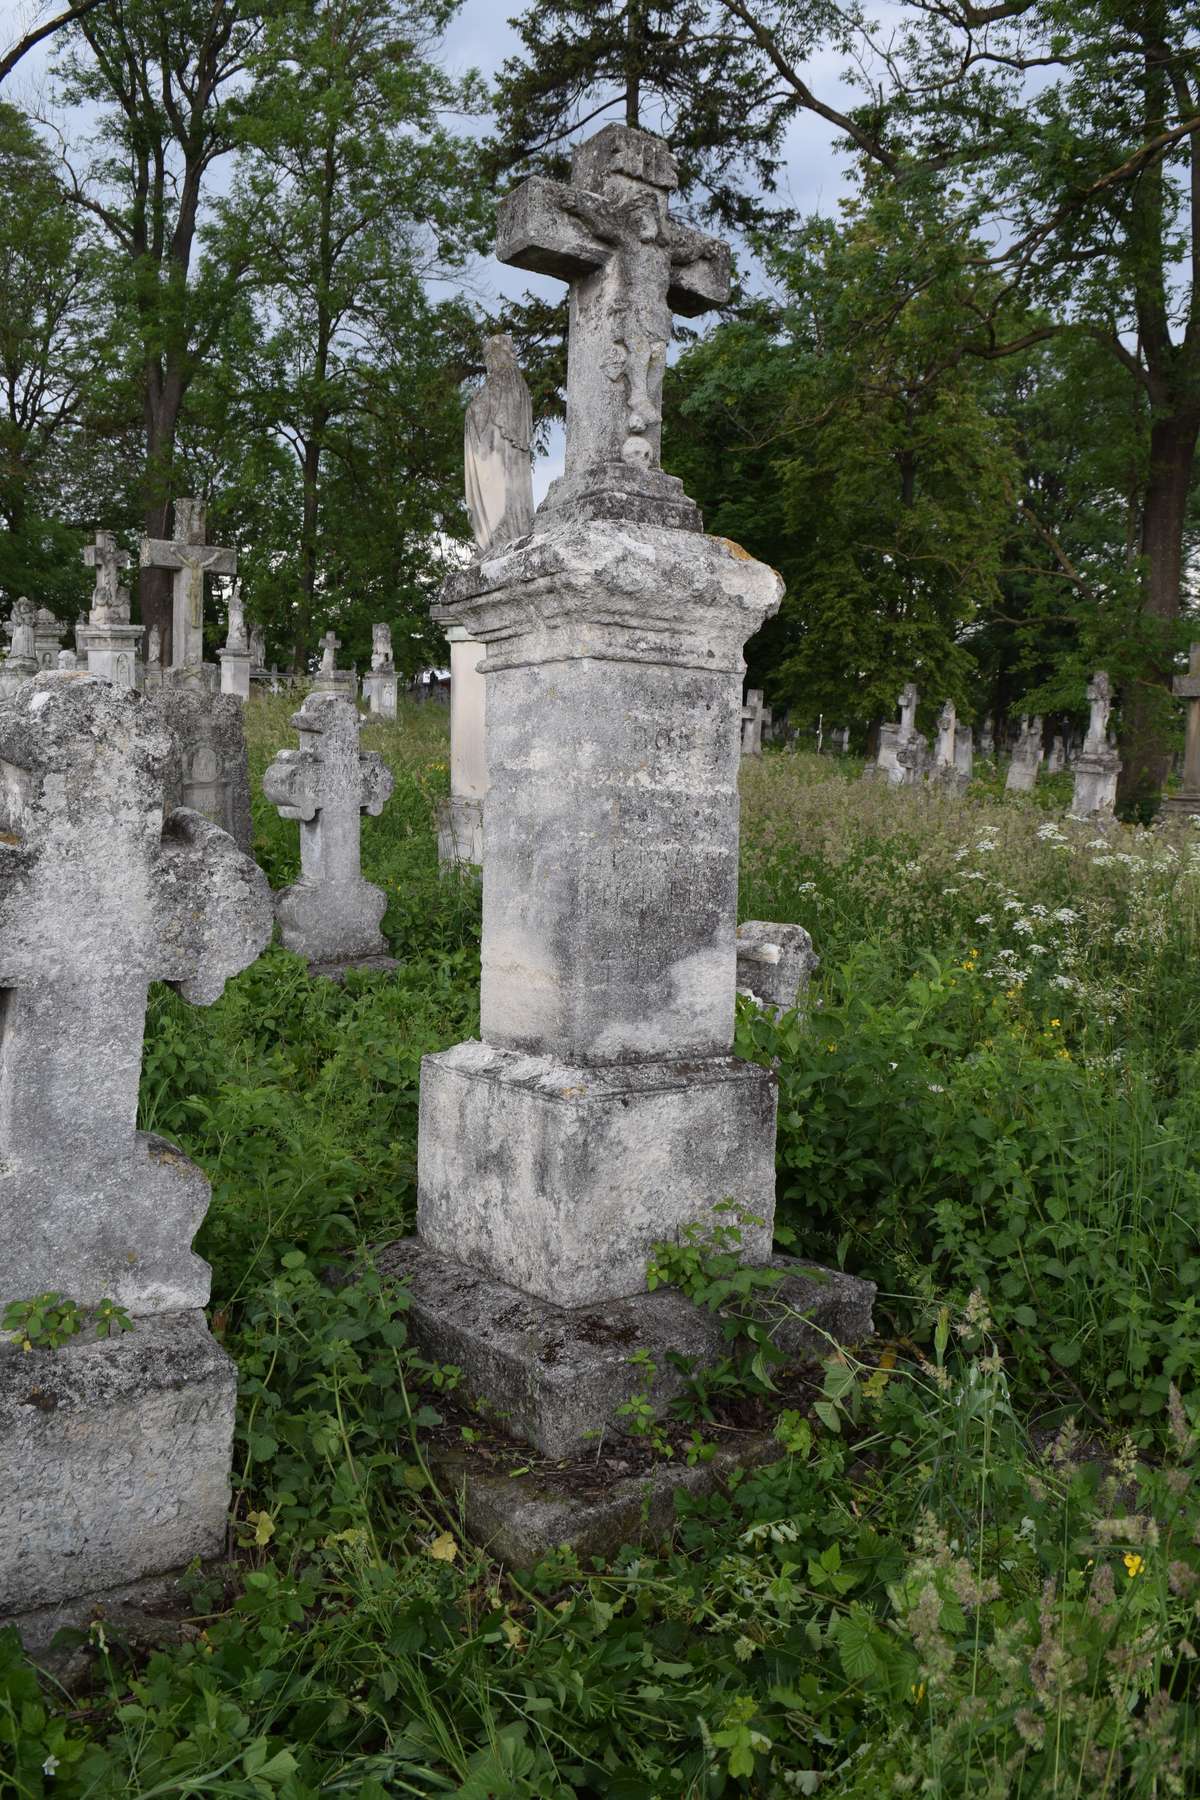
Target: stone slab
<point>560,1179</point>
<point>554,1376</point>
<point>460,833</point>
<point>520,1519</point>
<point>338,971</point>
<point>114,1459</point>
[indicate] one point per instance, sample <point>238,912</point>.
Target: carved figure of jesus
<point>496,438</point>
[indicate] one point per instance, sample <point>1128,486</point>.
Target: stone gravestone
<point>153,678</point>
<point>460,819</point>
<point>841,739</point>
<point>191,560</point>
<point>1186,799</point>
<point>47,638</point>
<point>112,642</point>
<point>1056,761</point>
<point>114,1453</point>
<point>329,678</point>
<point>943,748</point>
<point>603,1110</point>
<point>67,659</point>
<point>987,738</point>
<point>753,716</point>
<point>21,661</point>
<point>912,748</point>
<point>892,739</point>
<point>1026,757</point>
<point>1097,765</point>
<point>964,754</point>
<point>258,654</point>
<point>775,964</point>
<point>331,915</point>
<point>235,657</point>
<point>207,769</point>
<point>379,686</point>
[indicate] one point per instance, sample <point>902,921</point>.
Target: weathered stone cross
<point>331,915</point>
<point>100,898</point>
<point>630,265</point>
<point>191,559</point>
<point>110,601</point>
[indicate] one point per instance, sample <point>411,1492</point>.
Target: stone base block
<point>114,1460</point>
<point>335,924</point>
<point>560,1180</point>
<point>460,833</point>
<point>1181,805</point>
<point>521,1518</point>
<point>338,971</point>
<point>555,1376</point>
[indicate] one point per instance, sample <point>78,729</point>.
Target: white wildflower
<point>984,919</point>
<point>1066,915</point>
<point>1023,927</point>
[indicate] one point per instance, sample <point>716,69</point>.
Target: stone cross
<point>753,716</point>
<point>110,601</point>
<point>121,1468</point>
<point>331,915</point>
<point>1099,695</point>
<point>191,559</point>
<point>1187,687</point>
<point>943,750</point>
<point>609,234</point>
<point>908,701</point>
<point>1026,757</point>
<point>329,645</point>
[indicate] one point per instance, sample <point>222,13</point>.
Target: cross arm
<point>1186,687</point>
<point>161,553</point>
<point>375,783</point>
<point>212,907</point>
<point>293,784</point>
<point>700,272</point>
<point>542,226</point>
<point>106,553</point>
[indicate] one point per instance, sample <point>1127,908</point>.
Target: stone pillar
<point>460,819</point>
<point>1186,799</point>
<point>124,1472</point>
<point>47,637</point>
<point>964,753</point>
<point>331,915</point>
<point>235,672</point>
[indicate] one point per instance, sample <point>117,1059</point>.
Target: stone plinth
<point>1095,795</point>
<point>559,1179</point>
<point>112,653</point>
<point>331,915</point>
<point>118,1465</point>
<point>775,963</point>
<point>235,673</point>
<point>460,833</point>
<point>207,769</point>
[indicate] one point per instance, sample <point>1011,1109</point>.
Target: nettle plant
<point>48,1321</point>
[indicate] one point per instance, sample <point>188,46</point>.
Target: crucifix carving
<point>630,265</point>
<point>191,559</point>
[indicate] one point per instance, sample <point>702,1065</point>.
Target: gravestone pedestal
<point>379,691</point>
<point>235,673</point>
<point>1185,801</point>
<point>460,818</point>
<point>114,1452</point>
<point>1098,765</point>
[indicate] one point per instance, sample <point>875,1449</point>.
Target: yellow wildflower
<point>1134,1564</point>
<point>1056,1021</point>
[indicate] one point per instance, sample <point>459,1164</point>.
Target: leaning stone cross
<point>191,559</point>
<point>630,265</point>
<point>331,915</point>
<point>330,645</point>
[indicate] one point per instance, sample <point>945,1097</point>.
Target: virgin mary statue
<point>499,426</point>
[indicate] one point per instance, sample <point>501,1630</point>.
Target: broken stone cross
<point>331,915</point>
<point>191,559</point>
<point>125,1472</point>
<point>112,642</point>
<point>630,265</point>
<point>753,714</point>
<point>1187,687</point>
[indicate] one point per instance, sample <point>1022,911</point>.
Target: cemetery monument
<point>1026,757</point>
<point>112,642</point>
<point>1186,799</point>
<point>114,1451</point>
<point>379,685</point>
<point>235,657</point>
<point>329,678</point>
<point>1098,764</point>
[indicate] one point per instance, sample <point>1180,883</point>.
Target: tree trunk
<point>308,543</point>
<point>163,401</point>
<point>1145,755</point>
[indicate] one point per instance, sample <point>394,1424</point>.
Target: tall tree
<point>350,195</point>
<point>165,77</point>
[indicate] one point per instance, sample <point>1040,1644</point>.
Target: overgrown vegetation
<point>973,1569</point>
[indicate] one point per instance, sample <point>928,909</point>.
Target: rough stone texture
<point>21,662</point>
<point>190,559</point>
<point>207,769</point>
<point>630,265</point>
<point>1098,765</point>
<point>331,915</point>
<point>610,833</point>
<point>555,1375</point>
<point>519,1519</point>
<point>560,1179</point>
<point>775,963</point>
<point>99,897</point>
<point>1026,757</point>
<point>1186,800</point>
<point>114,1460</point>
<point>460,821</point>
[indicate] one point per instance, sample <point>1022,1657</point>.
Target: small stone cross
<point>110,601</point>
<point>754,715</point>
<point>330,645</point>
<point>630,265</point>
<point>1187,687</point>
<point>191,559</point>
<point>331,915</point>
<point>102,898</point>
<point>908,702</point>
